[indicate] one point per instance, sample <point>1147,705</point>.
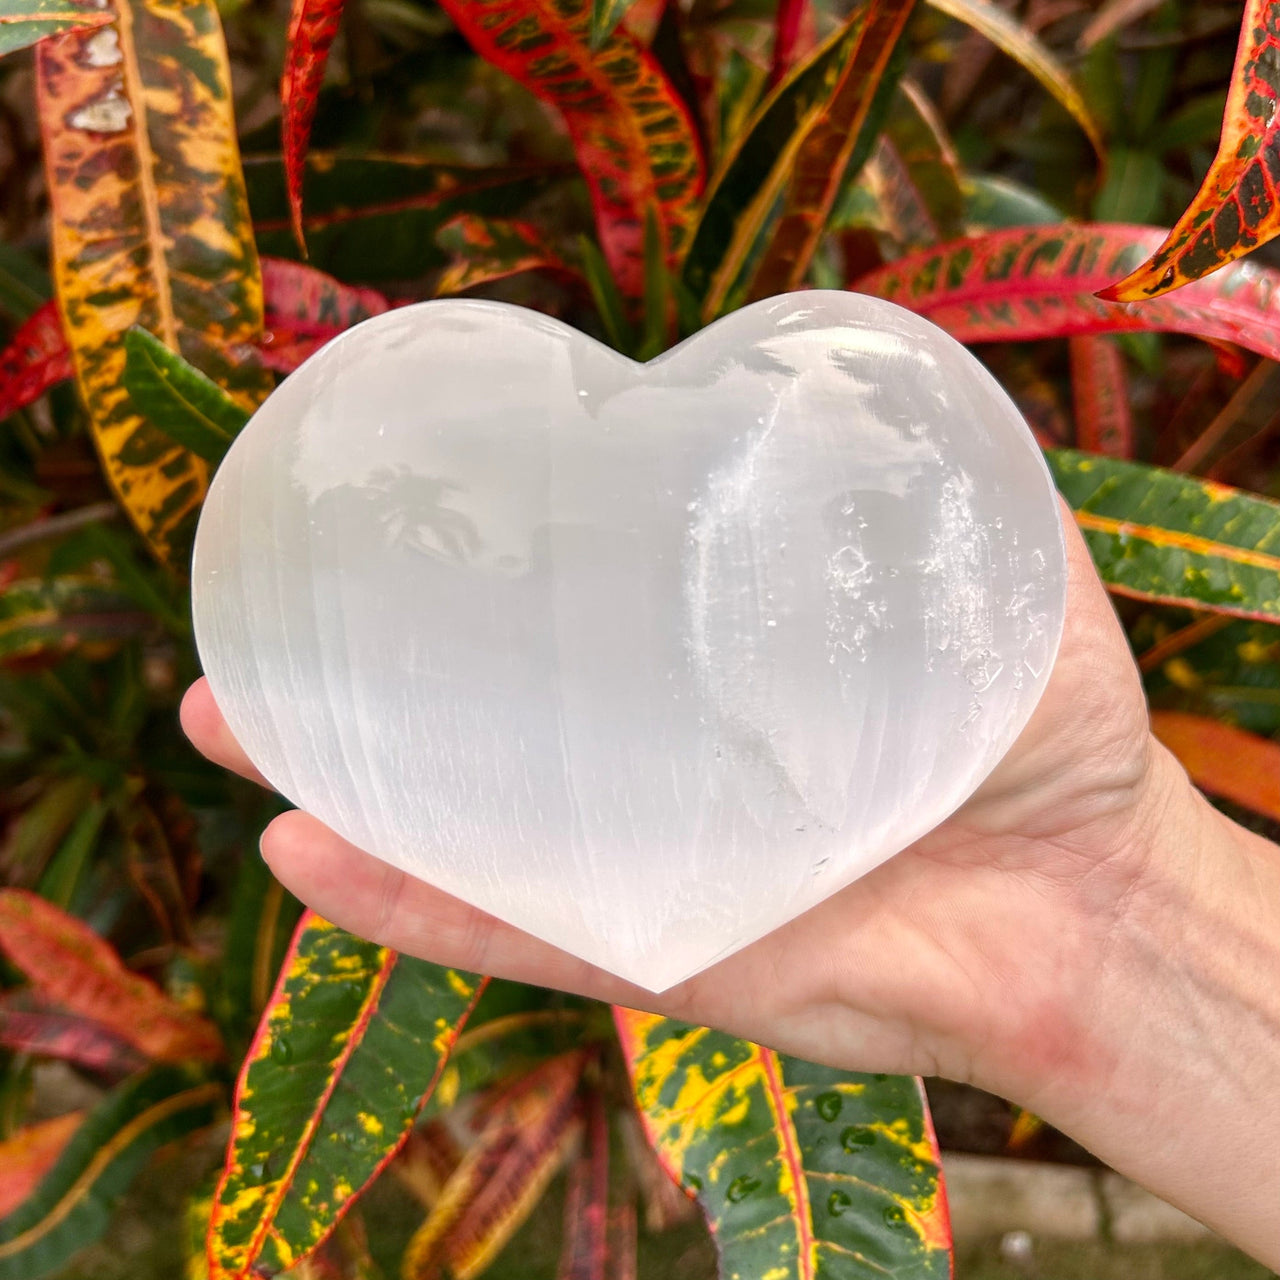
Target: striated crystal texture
<point>643,659</point>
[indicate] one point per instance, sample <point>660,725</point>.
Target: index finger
<point>202,722</point>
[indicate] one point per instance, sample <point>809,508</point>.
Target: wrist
<point>1177,1023</point>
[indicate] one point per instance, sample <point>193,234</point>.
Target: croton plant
<point>638,167</point>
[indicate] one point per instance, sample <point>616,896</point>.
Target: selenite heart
<point>643,659</point>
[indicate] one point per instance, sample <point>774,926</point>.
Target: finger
<point>374,900</point>
<point>202,722</point>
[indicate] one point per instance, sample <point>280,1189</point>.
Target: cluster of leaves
<point>638,167</point>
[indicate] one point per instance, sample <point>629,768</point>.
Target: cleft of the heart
<point>645,660</point>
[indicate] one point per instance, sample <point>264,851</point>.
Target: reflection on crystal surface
<point>645,660</point>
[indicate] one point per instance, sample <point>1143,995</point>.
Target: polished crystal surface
<point>644,659</point>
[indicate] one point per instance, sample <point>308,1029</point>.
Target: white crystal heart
<point>643,659</point>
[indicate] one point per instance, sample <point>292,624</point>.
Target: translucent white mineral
<point>643,659</point>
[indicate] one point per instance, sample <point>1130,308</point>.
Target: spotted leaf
<point>36,359</point>
<point>803,1172</point>
<point>349,1047</point>
<point>150,227</point>
<point>1238,205</point>
<point>1100,388</point>
<point>1160,535</point>
<point>23,22</point>
<point>1040,282</point>
<point>313,25</point>
<point>487,249</point>
<point>633,136</point>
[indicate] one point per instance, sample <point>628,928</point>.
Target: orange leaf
<point>70,964</point>
<point>1238,205</point>
<point>27,1156</point>
<point>1223,760</point>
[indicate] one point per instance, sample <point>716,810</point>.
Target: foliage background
<point>999,132</point>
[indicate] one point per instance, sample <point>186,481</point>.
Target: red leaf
<point>635,142</point>
<point>585,1254</point>
<point>37,359</point>
<point>31,1025</point>
<point>1100,386</point>
<point>530,1127</point>
<point>27,1156</point>
<point>786,38</point>
<point>71,965</point>
<point>1041,282</point>
<point>313,24</point>
<point>1238,205</point>
<point>1223,760</point>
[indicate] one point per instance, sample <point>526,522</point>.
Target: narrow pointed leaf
<point>29,1154</point>
<point>1238,205</point>
<point>1223,760</point>
<point>740,208</point>
<point>178,399</point>
<point>68,963</point>
<point>1159,535</point>
<point>605,16</point>
<point>786,36</point>
<point>487,249</point>
<point>350,1046</point>
<point>150,227</point>
<point>584,1255</point>
<point>1040,282</point>
<point>1026,49</point>
<point>313,25</point>
<point>45,618</point>
<point>635,141</point>
<point>23,22</point>
<point>529,1130</point>
<point>36,359</point>
<point>29,1024</point>
<point>822,154</point>
<point>803,1172</point>
<point>73,1202</point>
<point>1100,388</point>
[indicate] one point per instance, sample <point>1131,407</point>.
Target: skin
<point>1086,937</point>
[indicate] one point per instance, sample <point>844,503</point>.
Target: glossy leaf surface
<point>306,308</point>
<point>23,22</point>
<point>313,24</point>
<point>151,227</point>
<point>634,140</point>
<point>740,207</point>
<point>72,1204</point>
<point>823,149</point>
<point>529,1129</point>
<point>803,1172</point>
<point>71,965</point>
<point>488,249</point>
<point>1160,535</point>
<point>1040,282</point>
<point>350,1046</point>
<point>178,399</point>
<point>1238,205</point>
<point>36,359</point>
<point>1224,760</point>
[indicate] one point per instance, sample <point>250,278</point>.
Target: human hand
<point>1012,947</point>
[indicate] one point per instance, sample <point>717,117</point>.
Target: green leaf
<point>607,296</point>
<point>23,22</point>
<point>179,399</point>
<point>742,204</point>
<point>73,1203</point>
<point>657,293</point>
<point>992,203</point>
<point>803,1171</point>
<point>24,287</point>
<point>348,1050</point>
<point>605,15</point>
<point>1160,535</point>
<point>55,615</point>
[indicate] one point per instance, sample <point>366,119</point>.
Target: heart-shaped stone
<point>643,659</point>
